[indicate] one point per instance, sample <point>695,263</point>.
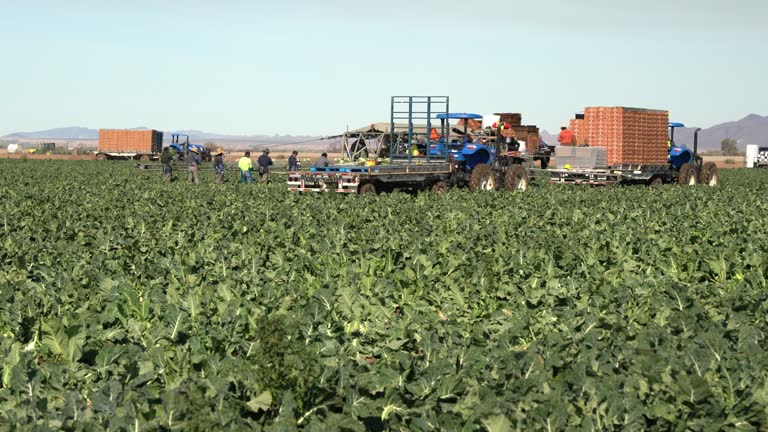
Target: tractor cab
<point>679,154</point>
<point>180,143</point>
<point>461,147</point>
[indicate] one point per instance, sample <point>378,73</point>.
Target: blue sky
<point>316,67</point>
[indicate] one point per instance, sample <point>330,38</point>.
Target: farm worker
<point>264,162</point>
<point>218,165</point>
<point>293,161</point>
<point>323,161</point>
<point>166,158</point>
<point>566,137</point>
<point>246,165</point>
<point>193,161</point>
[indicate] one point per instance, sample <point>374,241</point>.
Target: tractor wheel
<point>656,182</point>
<point>687,175</point>
<point>482,178</point>
<point>101,157</point>
<point>709,175</point>
<point>516,178</point>
<point>440,188</point>
<point>367,188</point>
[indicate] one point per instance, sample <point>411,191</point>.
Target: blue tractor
<point>480,166</point>
<point>180,144</point>
<point>463,149</point>
<point>684,166</point>
<point>688,168</point>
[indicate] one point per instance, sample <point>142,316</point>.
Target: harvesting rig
<point>422,150</point>
<point>684,166</point>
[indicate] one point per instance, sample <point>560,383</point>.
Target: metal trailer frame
<point>620,174</point>
<point>349,179</point>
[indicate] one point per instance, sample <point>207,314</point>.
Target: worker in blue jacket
<point>218,165</point>
<point>264,163</point>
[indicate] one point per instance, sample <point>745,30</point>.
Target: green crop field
<point>129,304</point>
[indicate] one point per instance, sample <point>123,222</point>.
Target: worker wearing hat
<point>166,158</point>
<point>293,162</point>
<point>218,165</point>
<point>193,162</point>
<point>264,163</point>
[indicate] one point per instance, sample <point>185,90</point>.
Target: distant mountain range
<point>752,129</point>
<point>82,133</point>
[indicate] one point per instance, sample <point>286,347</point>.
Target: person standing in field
<point>218,165</point>
<point>264,162</point>
<point>166,158</point>
<point>246,166</point>
<point>193,163</point>
<point>293,161</point>
<point>566,137</point>
<point>323,161</point>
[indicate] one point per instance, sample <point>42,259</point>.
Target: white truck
<point>757,156</point>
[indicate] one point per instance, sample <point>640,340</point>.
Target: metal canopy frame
<point>408,109</point>
<point>356,145</point>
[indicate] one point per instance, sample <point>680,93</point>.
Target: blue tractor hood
<point>680,155</point>
<point>475,154</point>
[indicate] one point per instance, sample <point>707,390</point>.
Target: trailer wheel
<point>440,188</point>
<point>101,157</point>
<point>656,182</point>
<point>516,178</point>
<point>367,188</point>
<point>709,175</point>
<point>482,178</point>
<point>687,175</point>
<point>144,158</point>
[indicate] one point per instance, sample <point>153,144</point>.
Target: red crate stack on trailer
<point>130,141</point>
<point>630,135</point>
<point>579,130</point>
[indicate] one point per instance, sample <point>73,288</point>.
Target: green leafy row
<point>129,304</point>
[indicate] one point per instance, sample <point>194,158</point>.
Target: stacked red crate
<point>630,135</point>
<point>128,141</point>
<point>579,129</point>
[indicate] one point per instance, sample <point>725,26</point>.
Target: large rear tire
<point>367,188</point>
<point>482,178</point>
<point>440,188</point>
<point>687,175</point>
<point>709,175</point>
<point>516,178</point>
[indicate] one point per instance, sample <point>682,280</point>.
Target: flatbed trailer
<point>376,178</point>
<point>639,174</point>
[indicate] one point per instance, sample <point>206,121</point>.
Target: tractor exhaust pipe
<point>696,141</point>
